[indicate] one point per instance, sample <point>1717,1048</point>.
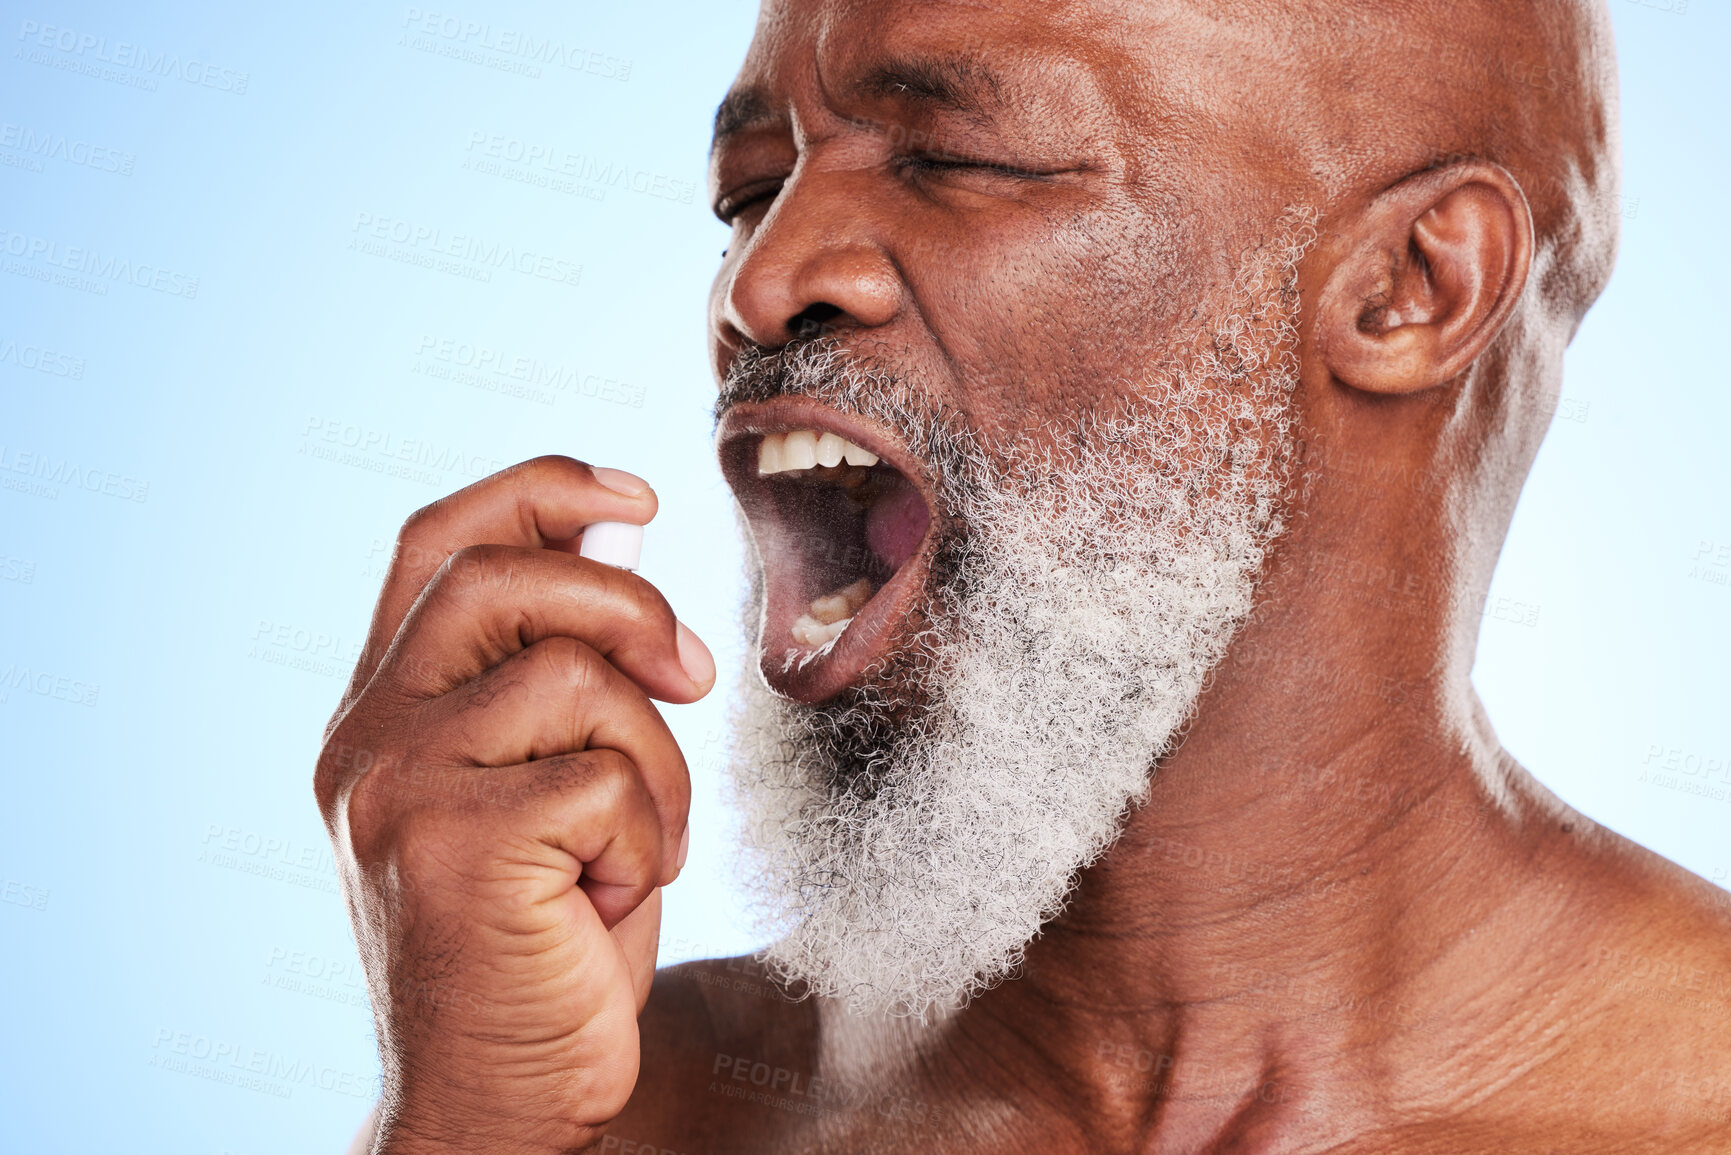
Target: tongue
<point>896,524</point>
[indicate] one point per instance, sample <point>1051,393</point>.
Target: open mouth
<point>842,521</point>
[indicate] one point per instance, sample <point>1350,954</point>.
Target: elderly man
<point>1126,403</point>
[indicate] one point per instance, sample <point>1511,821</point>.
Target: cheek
<point>1038,332</point>
<point>1087,314</point>
<point>1003,311</point>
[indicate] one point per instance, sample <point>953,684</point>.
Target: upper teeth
<point>806,449</point>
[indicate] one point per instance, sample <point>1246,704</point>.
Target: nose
<point>812,266</point>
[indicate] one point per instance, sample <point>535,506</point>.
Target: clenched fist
<point>505,803</point>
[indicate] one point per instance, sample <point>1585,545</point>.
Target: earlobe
<point>1425,278</point>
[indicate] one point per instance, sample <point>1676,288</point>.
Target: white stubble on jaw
<point>1095,605</point>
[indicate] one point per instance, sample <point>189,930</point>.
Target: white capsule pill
<point>613,542</point>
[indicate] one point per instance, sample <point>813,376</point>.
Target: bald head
<point>1379,92</point>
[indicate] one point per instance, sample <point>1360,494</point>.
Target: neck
<point>1290,911</point>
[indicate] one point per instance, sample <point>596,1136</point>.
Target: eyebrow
<point>741,109</point>
<point>951,84</point>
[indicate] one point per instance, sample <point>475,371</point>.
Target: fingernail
<point>684,848</point>
<point>694,656</point>
<point>620,482</point>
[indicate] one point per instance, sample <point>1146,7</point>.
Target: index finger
<point>536,503</point>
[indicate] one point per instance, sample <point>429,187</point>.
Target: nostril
<point>813,320</point>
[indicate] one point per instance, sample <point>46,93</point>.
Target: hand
<point>505,802</point>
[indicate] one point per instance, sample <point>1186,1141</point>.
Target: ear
<point>1428,274</point>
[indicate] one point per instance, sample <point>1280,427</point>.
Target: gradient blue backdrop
<point>231,362</point>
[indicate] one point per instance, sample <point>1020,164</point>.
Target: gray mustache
<point>820,368</point>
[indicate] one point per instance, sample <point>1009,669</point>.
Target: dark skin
<point>1346,920</point>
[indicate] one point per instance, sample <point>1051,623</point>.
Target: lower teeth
<point>832,614</point>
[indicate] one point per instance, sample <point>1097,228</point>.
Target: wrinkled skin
<point>1346,920</point>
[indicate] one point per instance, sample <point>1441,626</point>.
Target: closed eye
<point>729,207</point>
<point>950,162</point>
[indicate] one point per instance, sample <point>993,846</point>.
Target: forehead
<point>1170,78</point>
<point>831,24</point>
<point>965,54</point>
<point>1106,29</point>
<point>1017,51</point>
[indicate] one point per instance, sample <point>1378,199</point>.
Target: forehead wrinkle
<point>913,52</point>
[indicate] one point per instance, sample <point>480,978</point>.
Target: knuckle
<point>473,573</point>
<point>327,783</point>
<point>326,786</point>
<point>426,848</point>
<point>373,809</point>
<point>473,562</point>
<point>612,771</point>
<point>552,466</point>
<point>550,470</point>
<point>421,545</point>
<point>573,667</point>
<point>415,526</point>
<point>601,784</point>
<point>341,762</point>
<point>646,610</point>
<point>421,821</point>
<point>420,528</point>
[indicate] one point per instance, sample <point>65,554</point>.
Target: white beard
<point>906,852</point>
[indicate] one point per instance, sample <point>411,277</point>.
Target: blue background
<point>196,591</point>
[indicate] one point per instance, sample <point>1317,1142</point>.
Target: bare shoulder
<point>1613,1033</point>
<point>1632,1033</point>
<point>1662,947</point>
<point>724,1049</point>
<point>1499,1138</point>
